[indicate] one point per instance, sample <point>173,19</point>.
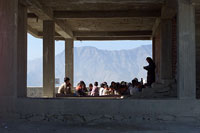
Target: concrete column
<point>186,50</point>
<point>48,58</point>
<point>166,50</point>
<point>198,51</point>
<point>22,52</point>
<point>153,49</point>
<point>8,48</point>
<point>69,60</point>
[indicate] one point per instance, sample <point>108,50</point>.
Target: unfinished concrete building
<point>172,25</point>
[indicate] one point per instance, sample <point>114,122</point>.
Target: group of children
<point>104,89</point>
<point>115,88</point>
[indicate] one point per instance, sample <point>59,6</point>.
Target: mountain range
<point>92,64</point>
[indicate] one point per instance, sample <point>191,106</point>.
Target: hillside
<point>92,64</point>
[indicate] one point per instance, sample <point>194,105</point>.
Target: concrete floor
<point>56,127</point>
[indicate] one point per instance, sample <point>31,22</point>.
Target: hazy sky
<point>35,45</point>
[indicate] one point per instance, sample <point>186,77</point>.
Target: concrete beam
<point>168,12</point>
<point>195,2</point>
<point>33,32</point>
<point>63,29</point>
<point>69,60</point>
<point>45,13</point>
<point>113,33</point>
<point>64,2</point>
<point>41,34</point>
<point>186,50</point>
<point>48,59</point>
<point>169,9</point>
<point>106,14</point>
<point>155,26</point>
<point>32,15</point>
<point>22,52</point>
<point>59,38</point>
<point>23,2</point>
<point>111,38</point>
<point>39,10</point>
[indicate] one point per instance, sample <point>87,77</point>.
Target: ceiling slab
<point>95,19</point>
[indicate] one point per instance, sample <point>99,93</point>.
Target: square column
<point>22,52</point>
<point>69,60</point>
<point>166,50</point>
<point>153,49</point>
<point>186,50</point>
<point>8,48</point>
<point>48,58</point>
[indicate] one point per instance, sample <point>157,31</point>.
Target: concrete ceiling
<point>95,19</point>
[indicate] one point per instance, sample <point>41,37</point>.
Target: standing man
<point>150,71</point>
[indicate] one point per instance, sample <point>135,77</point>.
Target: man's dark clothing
<point>150,73</point>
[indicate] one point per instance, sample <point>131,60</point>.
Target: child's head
<point>106,87</point>
<point>95,83</point>
<point>90,86</point>
<point>66,80</point>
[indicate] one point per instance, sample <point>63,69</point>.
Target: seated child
<point>95,90</point>
<point>65,88</point>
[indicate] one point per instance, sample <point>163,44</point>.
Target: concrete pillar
<point>153,49</point>
<point>8,48</point>
<point>198,51</point>
<point>69,60</point>
<point>22,52</point>
<point>166,50</point>
<point>48,58</point>
<point>186,50</point>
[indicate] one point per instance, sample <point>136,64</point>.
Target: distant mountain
<point>92,64</point>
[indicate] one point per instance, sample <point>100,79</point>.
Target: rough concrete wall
<point>36,92</point>
<point>174,46</point>
<point>127,111</point>
<point>157,49</point>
